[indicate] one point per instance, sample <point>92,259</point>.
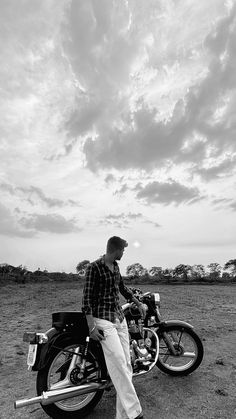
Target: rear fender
<point>56,339</point>
<point>44,349</point>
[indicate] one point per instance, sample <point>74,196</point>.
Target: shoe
<point>140,416</point>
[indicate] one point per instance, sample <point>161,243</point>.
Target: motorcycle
<point>71,369</point>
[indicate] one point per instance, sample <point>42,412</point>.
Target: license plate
<point>32,355</point>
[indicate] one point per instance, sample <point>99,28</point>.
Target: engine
<point>144,346</point>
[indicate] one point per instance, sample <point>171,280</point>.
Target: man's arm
<point>125,291</point>
<point>128,294</point>
<point>87,302</point>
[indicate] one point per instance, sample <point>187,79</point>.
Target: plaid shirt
<point>101,291</point>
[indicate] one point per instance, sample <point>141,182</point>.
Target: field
<point>208,393</point>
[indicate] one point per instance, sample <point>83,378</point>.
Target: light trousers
<point>117,356</point>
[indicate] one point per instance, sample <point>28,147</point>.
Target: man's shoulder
<point>97,263</point>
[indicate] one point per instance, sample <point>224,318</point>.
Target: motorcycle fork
<point>169,343</point>
<point>166,337</point>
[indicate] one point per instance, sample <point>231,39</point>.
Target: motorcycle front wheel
<point>188,347</point>
<point>56,370</point>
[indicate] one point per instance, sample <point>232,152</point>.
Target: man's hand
<point>94,333</point>
<point>97,334</point>
<point>142,308</point>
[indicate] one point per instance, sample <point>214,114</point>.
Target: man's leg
<point>123,334</point>
<point>118,365</point>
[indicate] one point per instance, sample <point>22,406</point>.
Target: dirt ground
<point>208,393</point>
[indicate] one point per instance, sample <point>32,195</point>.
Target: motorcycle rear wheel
<point>189,351</point>
<point>76,407</point>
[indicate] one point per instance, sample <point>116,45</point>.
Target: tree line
<point>135,273</point>
<point>213,272</point>
<point>21,274</point>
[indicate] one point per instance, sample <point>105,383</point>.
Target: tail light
<point>35,338</point>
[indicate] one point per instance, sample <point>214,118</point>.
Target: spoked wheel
<point>56,371</point>
<point>189,351</point>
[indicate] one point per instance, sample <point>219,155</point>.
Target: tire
<point>78,406</point>
<point>185,341</point>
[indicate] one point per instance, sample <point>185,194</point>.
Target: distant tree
<point>214,270</point>
<point>168,274</point>
<point>4,268</point>
<point>183,271</point>
<point>155,270</point>
<point>20,270</point>
<point>136,270</point>
<point>198,272</point>
<point>226,277</point>
<point>82,266</point>
<point>231,267</point>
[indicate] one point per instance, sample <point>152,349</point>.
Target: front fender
<point>162,326</point>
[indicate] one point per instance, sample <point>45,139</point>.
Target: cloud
<point>200,127</point>
<point>221,201</point>
<point>124,220</point>
<point>6,187</point>
<point>121,82</point>
<point>224,204</point>
<point>14,225</point>
<point>34,194</point>
<point>109,178</point>
<point>224,168</point>
<point>124,188</point>
<point>120,220</point>
<point>153,223</point>
<point>101,50</point>
<point>35,79</point>
<point>145,144</point>
<point>167,193</point>
<point>10,227</point>
<point>233,205</point>
<point>53,223</point>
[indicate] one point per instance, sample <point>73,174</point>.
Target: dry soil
<point>208,393</point>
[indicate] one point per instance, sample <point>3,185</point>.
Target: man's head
<point>116,246</point>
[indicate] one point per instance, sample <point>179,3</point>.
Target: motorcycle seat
<point>70,320</point>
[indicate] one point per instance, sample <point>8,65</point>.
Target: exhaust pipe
<point>52,396</point>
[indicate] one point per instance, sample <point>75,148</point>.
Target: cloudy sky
<point>118,117</point>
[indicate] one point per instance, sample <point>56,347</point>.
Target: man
<point>103,312</point>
